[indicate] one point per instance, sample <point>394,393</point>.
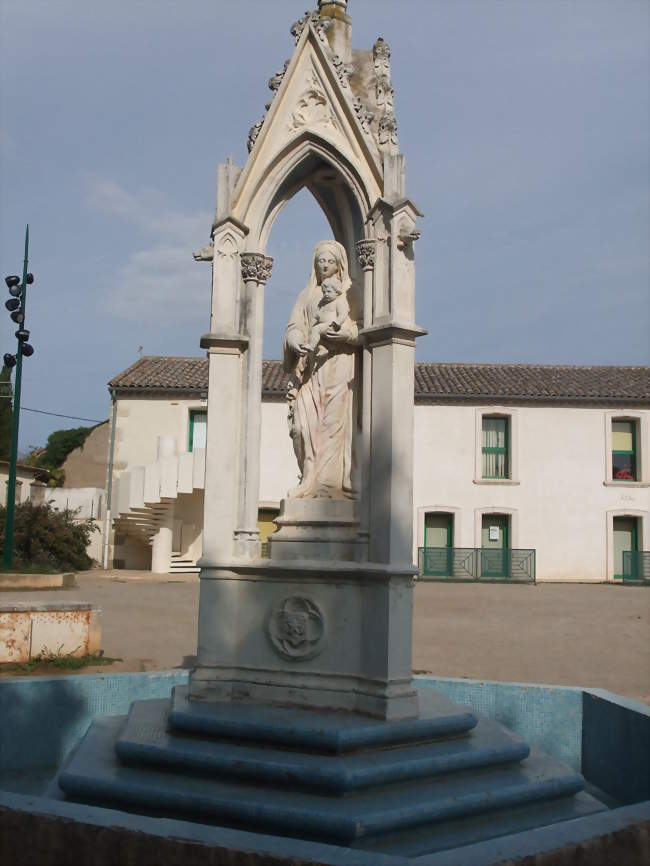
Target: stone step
<point>93,774</point>
<point>319,730</point>
<point>186,566</point>
<point>146,740</point>
<point>419,841</point>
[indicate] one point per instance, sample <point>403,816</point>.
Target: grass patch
<point>49,662</point>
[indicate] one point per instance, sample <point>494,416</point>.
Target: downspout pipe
<point>109,486</point>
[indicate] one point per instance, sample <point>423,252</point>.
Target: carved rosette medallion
<point>296,628</point>
<point>255,266</point>
<point>366,254</point>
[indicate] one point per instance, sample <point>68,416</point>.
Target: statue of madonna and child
<point>319,354</point>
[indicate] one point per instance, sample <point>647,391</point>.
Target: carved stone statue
<point>321,387</point>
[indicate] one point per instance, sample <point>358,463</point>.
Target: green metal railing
<point>636,566</point>
<point>504,565</point>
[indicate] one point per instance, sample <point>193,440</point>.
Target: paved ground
<point>574,635</point>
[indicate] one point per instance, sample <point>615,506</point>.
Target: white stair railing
<point>144,496</point>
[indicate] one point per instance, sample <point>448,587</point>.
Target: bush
<point>49,538</point>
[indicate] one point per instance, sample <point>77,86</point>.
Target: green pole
<point>11,485</point>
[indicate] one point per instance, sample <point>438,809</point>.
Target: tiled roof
<point>433,382</point>
<point>532,382</point>
<point>163,373</point>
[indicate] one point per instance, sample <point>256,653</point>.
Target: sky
<point>525,125</point>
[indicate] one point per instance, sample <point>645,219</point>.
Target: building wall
<point>561,499</point>
<point>85,501</point>
<point>278,466</point>
<point>86,466</point>
<point>139,422</point>
<point>24,480</point>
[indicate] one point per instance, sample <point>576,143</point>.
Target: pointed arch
<point>310,161</point>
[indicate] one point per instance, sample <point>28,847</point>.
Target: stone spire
<point>338,34</point>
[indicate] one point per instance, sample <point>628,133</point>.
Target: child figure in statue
<point>331,312</point>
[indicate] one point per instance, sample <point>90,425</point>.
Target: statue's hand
<point>294,342</point>
<point>348,333</point>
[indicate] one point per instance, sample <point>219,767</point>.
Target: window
<point>624,450</point>
<point>198,430</point>
<point>494,446</point>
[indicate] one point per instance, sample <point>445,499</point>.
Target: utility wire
<point>43,412</point>
<point>59,415</point>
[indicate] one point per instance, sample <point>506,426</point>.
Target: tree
<point>47,538</point>
<point>59,444</point>
<point>6,413</point>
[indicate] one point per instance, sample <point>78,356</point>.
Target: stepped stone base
<point>407,787</point>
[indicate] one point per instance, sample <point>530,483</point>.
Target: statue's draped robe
<point>321,419</point>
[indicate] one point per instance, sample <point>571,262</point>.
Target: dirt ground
<point>586,635</point>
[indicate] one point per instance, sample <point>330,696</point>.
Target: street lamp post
<point>17,290</point>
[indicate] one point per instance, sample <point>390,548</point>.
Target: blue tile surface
<point>616,746</point>
<point>548,717</point>
<point>43,717</point>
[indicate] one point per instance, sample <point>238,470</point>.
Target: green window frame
<point>495,446</point>
<point>194,414</point>
<point>624,459</point>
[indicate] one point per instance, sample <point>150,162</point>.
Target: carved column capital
<point>255,266</point>
<point>366,254</point>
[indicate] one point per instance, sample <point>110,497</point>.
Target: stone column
<point>366,254</point>
<point>225,344</point>
<point>391,340</point>
<point>161,550</point>
<point>255,270</point>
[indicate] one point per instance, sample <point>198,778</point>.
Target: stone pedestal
<point>314,633</point>
<point>318,529</point>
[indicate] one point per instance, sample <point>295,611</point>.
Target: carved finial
<point>343,4</point>
<point>381,55</point>
<point>384,96</point>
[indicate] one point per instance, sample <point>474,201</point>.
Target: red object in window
<point>624,473</point>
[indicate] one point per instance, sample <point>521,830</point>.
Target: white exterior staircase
<point>144,501</point>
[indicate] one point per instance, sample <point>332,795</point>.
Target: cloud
<point>147,210</point>
<point>161,283</point>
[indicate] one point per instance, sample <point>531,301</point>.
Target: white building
<point>520,470</point>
